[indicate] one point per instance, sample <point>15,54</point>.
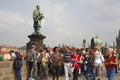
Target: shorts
<point>97,63</point>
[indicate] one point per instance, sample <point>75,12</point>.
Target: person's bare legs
<point>95,68</point>
<point>99,71</point>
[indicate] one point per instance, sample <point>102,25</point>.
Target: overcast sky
<point>66,21</point>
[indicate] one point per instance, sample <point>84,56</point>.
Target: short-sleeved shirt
<point>75,64</point>
<point>111,59</point>
<point>56,57</point>
<point>67,57</point>
<point>13,55</point>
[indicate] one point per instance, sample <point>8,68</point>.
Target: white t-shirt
<point>13,55</point>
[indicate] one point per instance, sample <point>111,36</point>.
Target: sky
<point>66,21</point>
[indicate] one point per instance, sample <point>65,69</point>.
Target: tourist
<point>30,62</point>
<point>110,63</point>
<point>56,63</point>
<point>17,65</point>
<point>44,65</point>
<point>76,60</point>
<point>82,66</point>
<point>13,56</point>
<point>39,61</point>
<point>67,62</point>
<point>116,53</point>
<point>50,51</point>
<point>98,60</point>
<point>89,63</point>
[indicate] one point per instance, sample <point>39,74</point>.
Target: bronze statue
<point>37,17</point>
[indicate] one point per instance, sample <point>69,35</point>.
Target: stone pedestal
<point>36,40</point>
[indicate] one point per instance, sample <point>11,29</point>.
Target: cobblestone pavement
<point>117,77</point>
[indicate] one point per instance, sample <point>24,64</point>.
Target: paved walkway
<point>117,77</point>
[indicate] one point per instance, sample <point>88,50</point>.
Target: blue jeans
<point>18,73</point>
<point>82,68</point>
<point>110,74</point>
<point>89,71</point>
<point>18,70</point>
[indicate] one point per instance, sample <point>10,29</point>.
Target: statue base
<point>37,40</point>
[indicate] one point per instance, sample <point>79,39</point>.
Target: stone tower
<point>118,40</point>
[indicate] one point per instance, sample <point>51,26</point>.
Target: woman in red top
<point>110,63</point>
<point>76,60</point>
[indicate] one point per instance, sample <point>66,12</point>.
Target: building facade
<point>4,49</point>
<point>118,40</point>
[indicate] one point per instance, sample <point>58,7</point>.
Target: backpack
<point>18,56</point>
<point>17,64</point>
<point>30,55</point>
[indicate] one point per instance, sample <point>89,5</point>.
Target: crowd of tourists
<point>69,62</point>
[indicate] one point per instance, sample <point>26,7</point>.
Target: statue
<point>96,42</point>
<point>37,17</point>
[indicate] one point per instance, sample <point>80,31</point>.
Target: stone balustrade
<point>7,72</point>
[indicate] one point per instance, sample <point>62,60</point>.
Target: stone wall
<point>7,72</point>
